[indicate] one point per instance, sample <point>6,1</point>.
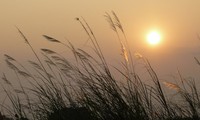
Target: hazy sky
<point>177,20</point>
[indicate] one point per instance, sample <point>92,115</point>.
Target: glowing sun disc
<point>153,38</point>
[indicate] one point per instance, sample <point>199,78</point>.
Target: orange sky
<point>177,20</point>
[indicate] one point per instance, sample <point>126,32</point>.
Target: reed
<point>63,89</point>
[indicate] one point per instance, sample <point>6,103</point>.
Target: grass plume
<point>63,89</point>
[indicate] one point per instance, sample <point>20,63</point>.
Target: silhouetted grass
<point>86,89</point>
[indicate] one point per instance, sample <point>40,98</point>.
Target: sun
<point>153,38</point>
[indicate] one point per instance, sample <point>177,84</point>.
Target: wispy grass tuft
<point>87,89</point>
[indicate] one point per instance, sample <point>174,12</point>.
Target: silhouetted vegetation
<point>86,88</point>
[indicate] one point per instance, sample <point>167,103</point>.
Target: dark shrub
<point>71,113</point>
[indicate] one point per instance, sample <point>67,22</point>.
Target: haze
<point>177,20</point>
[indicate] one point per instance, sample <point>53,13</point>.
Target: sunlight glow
<point>153,38</point>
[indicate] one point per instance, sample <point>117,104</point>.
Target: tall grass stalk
<point>61,89</point>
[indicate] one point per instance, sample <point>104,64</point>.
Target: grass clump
<point>86,89</point>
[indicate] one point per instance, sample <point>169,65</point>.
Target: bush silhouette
<point>71,113</point>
